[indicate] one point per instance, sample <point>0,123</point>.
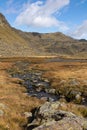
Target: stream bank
<point>40,87</point>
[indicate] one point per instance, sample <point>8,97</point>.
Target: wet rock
<point>45,80</point>
<point>39,89</point>
<point>44,98</point>
<point>34,95</point>
<point>50,99</point>
<point>51,91</point>
<point>41,84</point>
<point>35,80</point>
<point>37,85</point>
<point>49,117</point>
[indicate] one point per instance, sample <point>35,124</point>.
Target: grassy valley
<point>43,80</point>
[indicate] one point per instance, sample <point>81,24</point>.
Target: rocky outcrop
<point>49,117</point>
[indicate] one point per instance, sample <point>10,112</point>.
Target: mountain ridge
<point>16,43</point>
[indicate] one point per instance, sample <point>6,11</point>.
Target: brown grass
<point>65,71</point>
<point>79,110</point>
<point>13,96</point>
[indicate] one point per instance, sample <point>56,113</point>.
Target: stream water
<point>37,86</point>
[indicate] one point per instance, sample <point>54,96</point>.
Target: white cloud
<point>80,31</point>
<point>39,14</point>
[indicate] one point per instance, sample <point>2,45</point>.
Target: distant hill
<point>17,43</point>
<point>83,40</point>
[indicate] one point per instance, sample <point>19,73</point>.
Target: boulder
<point>49,117</point>
<point>51,91</point>
<point>74,96</point>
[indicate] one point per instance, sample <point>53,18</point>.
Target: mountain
<point>17,43</point>
<point>11,43</point>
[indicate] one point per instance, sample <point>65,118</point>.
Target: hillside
<point>11,44</point>
<point>16,43</point>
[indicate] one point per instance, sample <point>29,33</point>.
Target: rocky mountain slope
<point>14,42</point>
<point>11,43</point>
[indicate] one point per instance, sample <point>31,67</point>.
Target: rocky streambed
<point>40,87</point>
<point>50,116</point>
<point>37,86</point>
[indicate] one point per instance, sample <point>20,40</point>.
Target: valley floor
<point>67,78</point>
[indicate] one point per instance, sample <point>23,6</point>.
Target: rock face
<point>48,117</point>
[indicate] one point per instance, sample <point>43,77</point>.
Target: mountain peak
<point>3,20</point>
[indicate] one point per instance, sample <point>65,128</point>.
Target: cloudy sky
<point>67,16</point>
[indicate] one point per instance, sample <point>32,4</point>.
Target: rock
<point>40,84</point>
<point>65,124</point>
<point>39,89</point>
<point>34,80</point>
<point>78,98</point>
<point>44,98</point>
<point>34,95</point>
<point>46,80</point>
<point>48,108</point>
<point>49,117</point>
<point>27,114</point>
<point>51,91</point>
<point>74,96</point>
<point>38,73</point>
<point>74,82</point>
<point>50,99</point>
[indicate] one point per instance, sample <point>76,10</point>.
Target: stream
<point>33,80</point>
<point>37,86</point>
